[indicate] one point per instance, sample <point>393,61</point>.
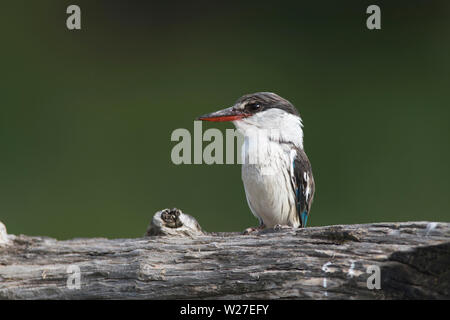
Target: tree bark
<point>329,262</point>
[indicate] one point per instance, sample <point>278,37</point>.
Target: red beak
<point>228,114</point>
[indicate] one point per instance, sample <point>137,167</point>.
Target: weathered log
<point>329,262</point>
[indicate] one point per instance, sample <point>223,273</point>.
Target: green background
<point>86,116</point>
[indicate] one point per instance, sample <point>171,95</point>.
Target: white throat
<point>275,124</point>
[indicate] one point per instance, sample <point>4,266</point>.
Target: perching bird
<point>276,172</point>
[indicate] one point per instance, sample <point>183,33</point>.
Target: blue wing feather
<point>303,185</point>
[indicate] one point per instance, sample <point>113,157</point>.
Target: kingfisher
<point>276,172</point>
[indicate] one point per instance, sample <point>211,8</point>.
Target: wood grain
<point>314,263</point>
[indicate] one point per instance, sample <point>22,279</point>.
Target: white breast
<point>267,181</point>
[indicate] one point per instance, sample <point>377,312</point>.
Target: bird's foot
<point>253,230</point>
<point>281,227</point>
<point>250,231</point>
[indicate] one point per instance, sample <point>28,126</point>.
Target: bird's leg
<point>254,230</point>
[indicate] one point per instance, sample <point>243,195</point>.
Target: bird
<point>276,172</point>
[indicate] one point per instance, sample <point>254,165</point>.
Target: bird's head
<point>262,110</point>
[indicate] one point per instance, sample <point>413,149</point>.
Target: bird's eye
<point>253,106</point>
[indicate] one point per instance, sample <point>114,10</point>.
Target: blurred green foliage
<point>86,116</point>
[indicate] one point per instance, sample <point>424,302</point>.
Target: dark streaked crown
<point>260,101</point>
